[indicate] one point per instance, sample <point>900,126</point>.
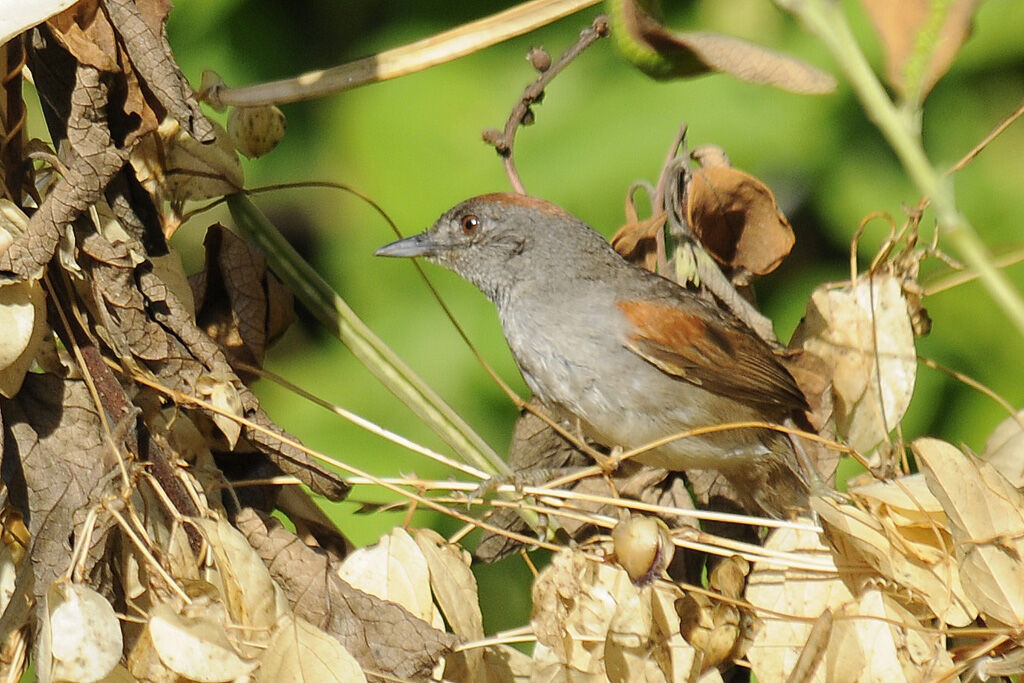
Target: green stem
<point>825,19</point>
<point>342,321</point>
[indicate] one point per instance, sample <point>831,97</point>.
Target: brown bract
<point>736,218</point>
<point>637,241</point>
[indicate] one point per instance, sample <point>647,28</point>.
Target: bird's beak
<point>417,245</point>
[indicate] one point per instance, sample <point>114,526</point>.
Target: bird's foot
<point>518,480</point>
<point>611,462</point>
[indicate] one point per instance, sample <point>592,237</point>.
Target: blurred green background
<point>414,146</point>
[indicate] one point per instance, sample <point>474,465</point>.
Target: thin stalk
<point>400,61</point>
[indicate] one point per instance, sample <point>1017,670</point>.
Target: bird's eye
<point>470,224</point>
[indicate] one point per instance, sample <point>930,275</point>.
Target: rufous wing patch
<point>711,353</point>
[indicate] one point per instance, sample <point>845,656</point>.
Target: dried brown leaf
<point>245,584</point>
<point>986,518</point>
<point>55,456</point>
<point>235,294</point>
<point>798,592</point>
<point>736,218</point>
<point>663,53</point>
<point>303,653</point>
<point>86,33</point>
<point>220,392</point>
<point>169,269</point>
<point>188,354</point>
<point>393,569</point>
<point>907,27</point>
<point>140,27</point>
<point>91,159</point>
<point>874,639</point>
<point>865,336</point>
<point>173,165</point>
<point>144,663</point>
<point>814,377</point>
<point>593,623</point>
<point>906,501</point>
<point>381,636</point>
<point>453,583</point>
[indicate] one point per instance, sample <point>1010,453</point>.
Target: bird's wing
<point>711,351</point>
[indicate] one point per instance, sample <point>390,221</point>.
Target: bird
<point>626,355</point>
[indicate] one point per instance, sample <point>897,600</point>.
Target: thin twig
<point>504,142</point>
<point>974,384</point>
<point>962,277</point>
<point>995,132</point>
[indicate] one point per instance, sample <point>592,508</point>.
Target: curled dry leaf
<point>255,131</point>
<point>303,653</point>
<point>195,648</point>
<point>662,53</point>
<point>453,583</point>
<point>220,392</point>
<point>736,218</point>
<point>48,482</point>
<point>719,630</point>
<point>917,51</point>
<point>393,569</point>
<point>804,594</point>
<point>241,304</point>
<point>986,518</point>
<point>89,33</point>
<point>170,270</point>
<point>865,337</point>
<point>83,633</point>
<point>875,639</point>
<point>906,545</point>
<point>245,584</point>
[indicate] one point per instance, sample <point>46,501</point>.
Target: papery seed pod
<point>643,547</point>
<point>255,131</point>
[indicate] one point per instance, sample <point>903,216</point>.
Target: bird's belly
<point>630,403</point>
<point>674,409</point>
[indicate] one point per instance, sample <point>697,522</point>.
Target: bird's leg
<point>608,463</point>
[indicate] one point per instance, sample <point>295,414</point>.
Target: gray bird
<point>632,356</point>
